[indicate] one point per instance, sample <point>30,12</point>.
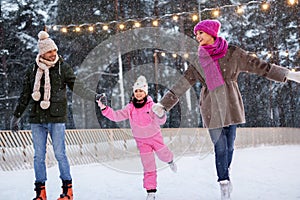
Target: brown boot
<point>40,190</point>
<point>67,192</point>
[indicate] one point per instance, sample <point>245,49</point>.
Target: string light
<point>55,28</point>
<point>121,26</point>
<point>216,13</point>
<point>269,55</point>
<point>292,2</point>
<point>91,28</point>
<point>265,6</point>
<point>155,22</point>
<point>77,29</point>
<point>253,54</point>
<point>240,10</point>
<point>137,23</point>
<point>261,54</point>
<point>64,30</point>
<point>105,27</point>
<point>195,17</point>
<point>175,18</point>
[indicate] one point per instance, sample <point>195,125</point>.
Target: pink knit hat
<point>45,43</point>
<point>210,27</point>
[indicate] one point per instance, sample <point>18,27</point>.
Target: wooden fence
<point>86,146</point>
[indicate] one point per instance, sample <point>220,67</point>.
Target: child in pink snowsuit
<point>145,126</point>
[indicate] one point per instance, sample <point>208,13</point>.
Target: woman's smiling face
<point>204,38</point>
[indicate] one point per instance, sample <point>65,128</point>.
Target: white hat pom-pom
<point>45,104</point>
<point>43,35</point>
<point>142,79</point>
<point>36,95</point>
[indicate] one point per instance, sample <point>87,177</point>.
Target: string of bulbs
<point>137,23</point>
<point>155,22</point>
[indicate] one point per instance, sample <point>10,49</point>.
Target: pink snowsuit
<point>145,126</point>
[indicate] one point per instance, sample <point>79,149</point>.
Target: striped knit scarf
<point>44,66</point>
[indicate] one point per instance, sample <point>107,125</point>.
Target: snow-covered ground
<point>262,173</point>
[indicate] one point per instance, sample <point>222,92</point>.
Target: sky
<point>260,173</point>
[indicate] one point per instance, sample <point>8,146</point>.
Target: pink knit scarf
<point>44,66</point>
<point>208,58</point>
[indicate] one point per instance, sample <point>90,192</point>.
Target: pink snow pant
<point>147,147</point>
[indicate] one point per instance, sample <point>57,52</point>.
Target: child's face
<point>139,94</point>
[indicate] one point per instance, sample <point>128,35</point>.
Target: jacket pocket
<point>58,109</point>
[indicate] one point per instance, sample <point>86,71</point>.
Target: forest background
<point>271,34</point>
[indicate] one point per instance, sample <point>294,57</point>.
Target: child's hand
<point>158,109</point>
<point>101,100</point>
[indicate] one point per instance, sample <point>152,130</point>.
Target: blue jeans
<point>223,140</point>
<point>39,137</point>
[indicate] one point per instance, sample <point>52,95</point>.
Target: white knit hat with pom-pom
<point>141,83</point>
<point>45,43</point>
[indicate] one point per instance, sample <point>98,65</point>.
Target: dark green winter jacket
<point>61,76</point>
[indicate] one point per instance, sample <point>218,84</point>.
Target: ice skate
<point>225,189</point>
<point>173,166</point>
<point>40,191</point>
<point>67,192</point>
<point>230,183</point>
<point>230,187</point>
<point>151,196</point>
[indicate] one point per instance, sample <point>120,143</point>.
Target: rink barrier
<point>85,146</point>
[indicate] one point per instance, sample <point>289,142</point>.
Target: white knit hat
<point>141,83</point>
<point>45,43</point>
